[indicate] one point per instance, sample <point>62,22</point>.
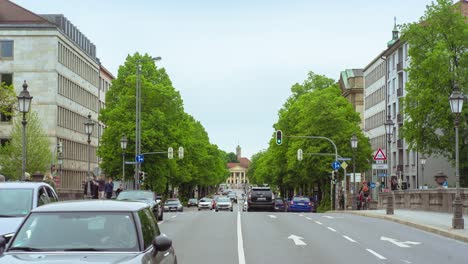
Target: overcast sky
<point>235,61</point>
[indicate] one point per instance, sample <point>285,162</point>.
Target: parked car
<point>300,204</point>
<point>224,203</point>
<point>205,203</point>
<point>192,202</point>
<point>91,230</point>
<point>226,192</point>
<point>280,205</point>
<point>261,198</point>
<point>233,197</point>
<point>17,199</point>
<point>173,204</point>
<point>146,197</point>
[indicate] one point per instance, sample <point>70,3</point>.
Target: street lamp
<point>456,105</point>
<point>123,145</point>
<point>138,115</point>
<point>24,104</point>
<point>423,162</point>
<point>89,125</point>
<point>354,142</point>
<point>389,129</point>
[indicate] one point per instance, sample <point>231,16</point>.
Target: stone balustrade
<point>435,200</point>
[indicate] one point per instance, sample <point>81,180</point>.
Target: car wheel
<point>199,209</point>
<point>216,210</point>
<point>160,218</point>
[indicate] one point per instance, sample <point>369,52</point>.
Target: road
<point>212,237</point>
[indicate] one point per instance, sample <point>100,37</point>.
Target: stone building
<point>238,171</point>
<point>65,78</point>
<point>351,84</point>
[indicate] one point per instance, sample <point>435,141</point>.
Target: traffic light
<point>299,154</point>
<point>170,153</point>
<point>279,137</point>
<point>181,152</point>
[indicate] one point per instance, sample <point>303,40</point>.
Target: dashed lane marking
<point>375,254</point>
<point>318,222</point>
<point>350,239</point>
<point>174,216</point>
<point>331,229</point>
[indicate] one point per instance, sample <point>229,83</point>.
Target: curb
<point>431,229</point>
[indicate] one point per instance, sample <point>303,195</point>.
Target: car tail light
<point>310,204</point>
<point>292,203</point>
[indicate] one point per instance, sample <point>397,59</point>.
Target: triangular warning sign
<point>379,155</point>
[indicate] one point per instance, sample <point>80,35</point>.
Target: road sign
<point>372,185</point>
<point>344,159</point>
<point>379,166</point>
<point>344,165</point>
<point>139,158</point>
<point>379,155</point>
<point>336,165</point>
<point>131,162</point>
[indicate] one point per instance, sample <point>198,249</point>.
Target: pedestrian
<point>120,189</point>
<point>2,178</point>
<point>101,184</point>
<point>49,180</point>
<point>27,177</point>
<point>109,188</point>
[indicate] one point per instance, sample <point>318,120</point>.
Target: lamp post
<point>354,142</point>
<point>389,129</point>
<point>89,125</point>
<point>456,105</point>
<point>138,116</point>
<point>123,145</point>
<point>423,163</point>
<point>24,104</point>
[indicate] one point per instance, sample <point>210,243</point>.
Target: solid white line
<point>301,215</point>
<point>308,218</point>
<point>318,222</point>
<point>174,216</point>
<point>160,222</point>
<point>240,243</point>
<point>350,239</point>
<point>331,229</point>
<point>376,254</point>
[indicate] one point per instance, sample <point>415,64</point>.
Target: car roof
<point>92,206</point>
<point>22,185</point>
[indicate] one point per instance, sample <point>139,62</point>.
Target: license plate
<point>261,199</point>
<point>300,203</point>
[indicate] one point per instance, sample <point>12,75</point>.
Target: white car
<point>205,203</point>
<point>224,203</point>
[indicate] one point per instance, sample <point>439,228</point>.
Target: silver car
<point>89,231</point>
<point>224,203</point>
<point>17,199</point>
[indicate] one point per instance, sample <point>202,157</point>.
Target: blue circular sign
<point>336,165</point>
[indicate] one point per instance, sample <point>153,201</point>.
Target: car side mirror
<point>2,244</point>
<point>162,243</point>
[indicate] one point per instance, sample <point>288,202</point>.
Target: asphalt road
<point>212,237</point>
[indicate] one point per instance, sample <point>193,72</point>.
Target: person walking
<point>49,180</point>
<point>119,190</point>
<point>101,184</point>
<point>109,188</point>
<point>2,178</point>
<point>27,177</point>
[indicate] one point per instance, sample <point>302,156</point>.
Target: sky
<point>234,62</point>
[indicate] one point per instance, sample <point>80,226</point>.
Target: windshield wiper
<point>25,248</point>
<point>84,249</point>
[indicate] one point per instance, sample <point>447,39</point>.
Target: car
<point>261,198</point>
<point>224,203</point>
<point>226,192</point>
<point>233,197</point>
<point>192,202</point>
<point>17,199</point>
<point>280,205</point>
<point>146,197</point>
<point>300,204</point>
<point>91,230</point>
<point>205,203</point>
<point>173,204</point>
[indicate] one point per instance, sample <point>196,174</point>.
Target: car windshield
<point>15,202</point>
<point>279,201</point>
<point>135,195</point>
<point>172,202</point>
<point>77,231</point>
<point>224,200</point>
<point>206,200</point>
<point>301,199</point>
<point>193,200</point>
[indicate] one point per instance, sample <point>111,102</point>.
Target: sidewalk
<point>434,222</point>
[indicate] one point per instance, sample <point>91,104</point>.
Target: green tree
<point>438,46</point>
<point>7,99</point>
<point>37,152</point>
<point>231,157</point>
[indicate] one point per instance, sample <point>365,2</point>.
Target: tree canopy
<point>164,124</point>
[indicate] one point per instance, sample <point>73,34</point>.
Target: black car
<point>260,198</point>
<point>173,205</point>
<point>280,205</point>
<point>89,231</point>
<point>146,197</point>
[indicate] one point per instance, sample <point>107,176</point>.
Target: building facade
<point>238,171</point>
<point>351,84</point>
<point>59,64</point>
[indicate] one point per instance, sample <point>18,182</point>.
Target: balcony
<point>400,119</point>
<point>399,92</point>
<point>399,66</point>
<point>400,143</point>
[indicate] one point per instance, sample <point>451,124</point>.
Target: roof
<point>92,206</point>
<point>21,185</point>
<point>350,73</point>
<point>11,13</point>
<point>243,162</point>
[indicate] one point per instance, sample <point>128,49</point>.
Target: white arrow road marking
<point>350,239</point>
<point>331,229</point>
<point>318,222</point>
<point>297,240</point>
<point>308,218</point>
<point>329,217</point>
<point>272,216</point>
<point>174,216</point>
<point>403,244</point>
<point>376,254</point>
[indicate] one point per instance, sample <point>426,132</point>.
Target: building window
<point>6,78</point>
<point>6,49</point>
